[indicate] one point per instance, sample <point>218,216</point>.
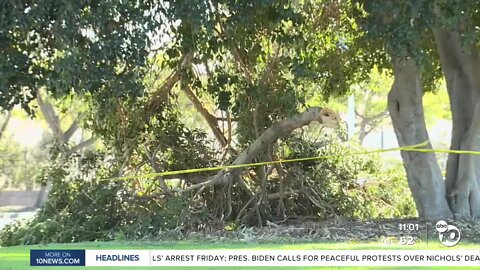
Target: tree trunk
<point>460,65</point>
<point>53,121</point>
<point>51,117</point>
<point>5,123</point>
<point>423,172</point>
<point>42,195</point>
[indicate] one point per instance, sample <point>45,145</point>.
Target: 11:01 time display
<point>409,227</point>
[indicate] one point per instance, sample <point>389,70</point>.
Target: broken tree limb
<point>281,129</point>
<point>160,96</point>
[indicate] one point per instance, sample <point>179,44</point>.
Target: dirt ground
<point>301,229</point>
<point>348,230</point>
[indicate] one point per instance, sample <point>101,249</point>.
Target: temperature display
<point>408,240</point>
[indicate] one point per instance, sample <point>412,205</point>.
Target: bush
<point>344,183</point>
<point>83,207</point>
<point>392,192</point>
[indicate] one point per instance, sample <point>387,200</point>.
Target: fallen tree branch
<point>281,129</point>
<point>160,96</point>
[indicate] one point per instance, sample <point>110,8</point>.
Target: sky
<point>26,132</point>
<point>439,133</point>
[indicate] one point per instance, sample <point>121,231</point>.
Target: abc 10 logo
<point>448,235</point>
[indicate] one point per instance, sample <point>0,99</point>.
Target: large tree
<point>128,60</point>
<point>427,40</point>
<point>256,60</point>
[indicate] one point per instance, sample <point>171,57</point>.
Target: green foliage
<point>404,29</point>
<point>82,207</point>
<point>79,46</point>
<point>391,189</point>
<point>19,165</point>
<point>100,48</point>
<point>257,60</point>
<point>341,183</point>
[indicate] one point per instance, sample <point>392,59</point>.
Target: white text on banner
<point>117,258</point>
<point>452,257</point>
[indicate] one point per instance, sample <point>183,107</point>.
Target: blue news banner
<point>258,258</point>
<point>71,257</point>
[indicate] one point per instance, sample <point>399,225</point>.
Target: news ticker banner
<point>129,258</point>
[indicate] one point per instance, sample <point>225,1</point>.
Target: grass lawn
<point>17,257</point>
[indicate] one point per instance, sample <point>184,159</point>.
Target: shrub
<point>83,207</point>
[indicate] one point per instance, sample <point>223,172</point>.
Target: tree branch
<point>51,117</point>
<point>358,114</point>
<point>71,130</point>
<point>161,94</point>
<point>5,124</point>
<point>81,145</point>
<point>376,117</point>
<point>278,130</point>
<point>151,157</point>
<point>211,120</point>
<point>278,195</point>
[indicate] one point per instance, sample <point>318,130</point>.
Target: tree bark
<point>209,118</point>
<point>5,124</point>
<point>51,118</point>
<point>460,65</point>
<point>81,145</point>
<point>72,129</point>
<point>406,111</point>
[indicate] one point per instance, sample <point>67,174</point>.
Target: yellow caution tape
<point>414,147</point>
